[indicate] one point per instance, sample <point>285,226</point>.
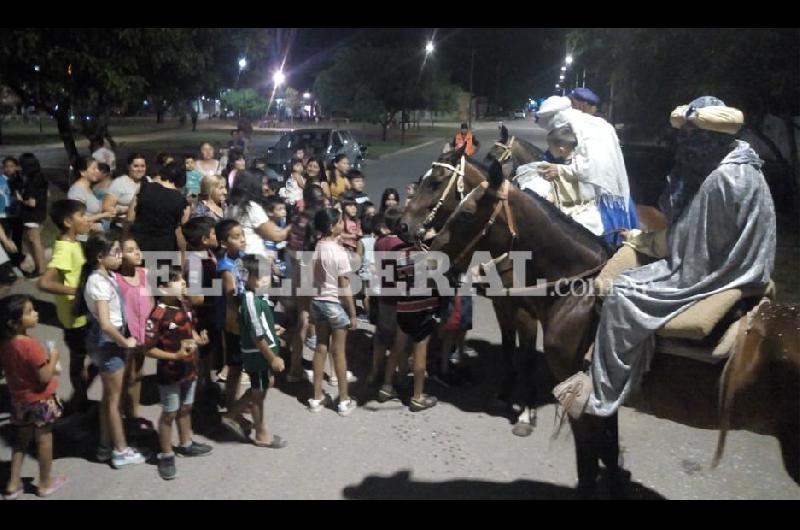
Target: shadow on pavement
<point>401,486</point>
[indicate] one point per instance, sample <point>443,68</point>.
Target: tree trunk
<point>159,115</point>
<point>65,129</point>
<point>385,125</point>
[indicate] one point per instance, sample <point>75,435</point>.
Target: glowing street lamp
<point>568,60</point>
<point>563,68</point>
<point>429,48</point>
<point>279,78</point>
<point>242,63</point>
<point>306,95</point>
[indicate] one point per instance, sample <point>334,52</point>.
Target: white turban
<point>718,118</point>
<point>548,115</point>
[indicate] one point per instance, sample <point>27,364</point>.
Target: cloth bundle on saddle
<point>707,330</point>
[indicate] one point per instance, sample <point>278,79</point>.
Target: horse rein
<point>506,154</point>
<point>457,178</point>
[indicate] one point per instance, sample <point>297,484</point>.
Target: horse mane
<point>529,146</point>
<point>579,230</point>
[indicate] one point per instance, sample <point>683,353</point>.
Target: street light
<point>306,95</point>
<point>429,48</point>
<point>278,78</point>
<point>242,64</point>
<point>563,68</point>
<point>568,60</point>
<point>36,69</point>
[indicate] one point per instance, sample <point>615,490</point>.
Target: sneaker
<point>346,407</point>
<point>166,467</point>
<point>387,393</point>
<point>425,402</point>
<point>127,457</point>
<point>194,449</point>
<point>103,454</point>
<point>311,342</point>
<point>351,378</point>
<point>316,405</point>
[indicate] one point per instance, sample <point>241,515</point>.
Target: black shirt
<point>159,211</point>
<point>35,187</point>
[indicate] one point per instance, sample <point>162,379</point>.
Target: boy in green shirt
<point>62,278</point>
<point>259,354</point>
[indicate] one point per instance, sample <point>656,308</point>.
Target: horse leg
<point>789,438</point>
<point>609,455</point>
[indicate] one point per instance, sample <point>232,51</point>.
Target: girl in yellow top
<point>338,183</point>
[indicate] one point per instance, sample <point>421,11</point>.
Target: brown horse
<point>452,176</point>
<point>676,388</point>
<point>512,153</point>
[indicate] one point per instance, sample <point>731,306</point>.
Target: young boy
<point>200,270</point>
<point>276,211</point>
<point>62,279</point>
<point>193,178</point>
<point>174,341</point>
<point>357,184</point>
<point>259,355</point>
<point>229,267</point>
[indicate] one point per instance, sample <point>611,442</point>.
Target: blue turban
<point>585,95</point>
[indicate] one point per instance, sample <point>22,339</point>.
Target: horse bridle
<point>507,149</point>
<point>457,178</point>
<point>502,204</point>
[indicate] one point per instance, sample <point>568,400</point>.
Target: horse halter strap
<point>506,154</point>
<point>457,178</point>
<point>502,204</point>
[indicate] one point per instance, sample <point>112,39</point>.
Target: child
<point>357,184</point>
<point>417,319</point>
<point>193,178</point>
<point>367,209</point>
<point>107,342</point>
<point>174,341</point>
<point>62,278</point>
<point>457,321</point>
<point>32,382</point>
<point>389,199</point>
<point>367,270</point>
<point>139,302</point>
<point>230,235</point>
<point>276,211</point>
<point>331,264</point>
<point>351,234</point>
<point>295,182</point>
<point>259,355</point>
<point>411,189</point>
<point>200,271</point>
<point>386,322</point>
<point>100,188</point>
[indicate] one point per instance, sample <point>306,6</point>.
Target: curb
<point>408,149</point>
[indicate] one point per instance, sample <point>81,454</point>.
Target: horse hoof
<point>522,429</point>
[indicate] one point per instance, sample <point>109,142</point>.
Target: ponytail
<point>322,226</point>
<point>98,245</point>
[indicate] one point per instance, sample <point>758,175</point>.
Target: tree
<point>245,103</point>
<point>293,101</point>
<point>374,83</point>
<point>654,70</point>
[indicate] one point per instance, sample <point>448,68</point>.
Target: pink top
<point>352,226</point>
<point>330,262</point>
<point>138,302</point>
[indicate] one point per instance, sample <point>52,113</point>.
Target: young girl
<point>34,209</point>
<point>390,199</point>
<point>350,237</point>
<point>330,264</point>
<point>411,189</point>
<point>236,164</point>
<point>138,301</point>
<point>295,182</point>
<point>338,183</point>
<point>106,342</point>
<point>31,376</point>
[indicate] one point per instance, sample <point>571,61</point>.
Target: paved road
<point>462,448</point>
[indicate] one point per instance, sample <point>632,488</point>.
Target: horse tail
<point>738,372</point>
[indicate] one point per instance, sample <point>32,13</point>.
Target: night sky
<point>510,63</point>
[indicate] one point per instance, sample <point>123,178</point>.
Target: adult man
<point>585,100</point>
<point>597,160</point>
<point>465,137</point>
<point>721,235</point>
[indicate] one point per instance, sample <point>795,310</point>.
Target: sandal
<point>55,484</point>
<point>277,442</point>
<point>234,428</point>
<point>14,495</point>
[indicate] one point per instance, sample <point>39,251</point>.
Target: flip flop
<point>14,495</point>
<point>55,484</point>
<point>236,429</point>
<point>276,443</point>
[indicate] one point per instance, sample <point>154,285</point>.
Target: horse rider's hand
<point>548,171</point>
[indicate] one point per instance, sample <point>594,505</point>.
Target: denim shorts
<point>331,312</point>
<point>177,395</point>
<point>108,358</point>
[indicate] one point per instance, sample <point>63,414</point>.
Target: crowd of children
<point>229,223</point>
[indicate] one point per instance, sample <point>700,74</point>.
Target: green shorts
<point>259,380</point>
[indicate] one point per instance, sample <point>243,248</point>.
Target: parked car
<point>326,143</point>
<point>519,114</point>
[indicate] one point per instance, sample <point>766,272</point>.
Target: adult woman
<point>315,174</point>
<point>390,199</point>
<point>161,210</point>
<point>207,164</point>
<point>211,202</point>
<point>123,189</point>
<point>86,174</point>
<point>245,207</point>
<point>34,208</point>
<point>338,183</point>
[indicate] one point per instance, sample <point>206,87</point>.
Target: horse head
<point>512,153</point>
<point>439,191</point>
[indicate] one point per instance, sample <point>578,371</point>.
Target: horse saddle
<point>707,330</point>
